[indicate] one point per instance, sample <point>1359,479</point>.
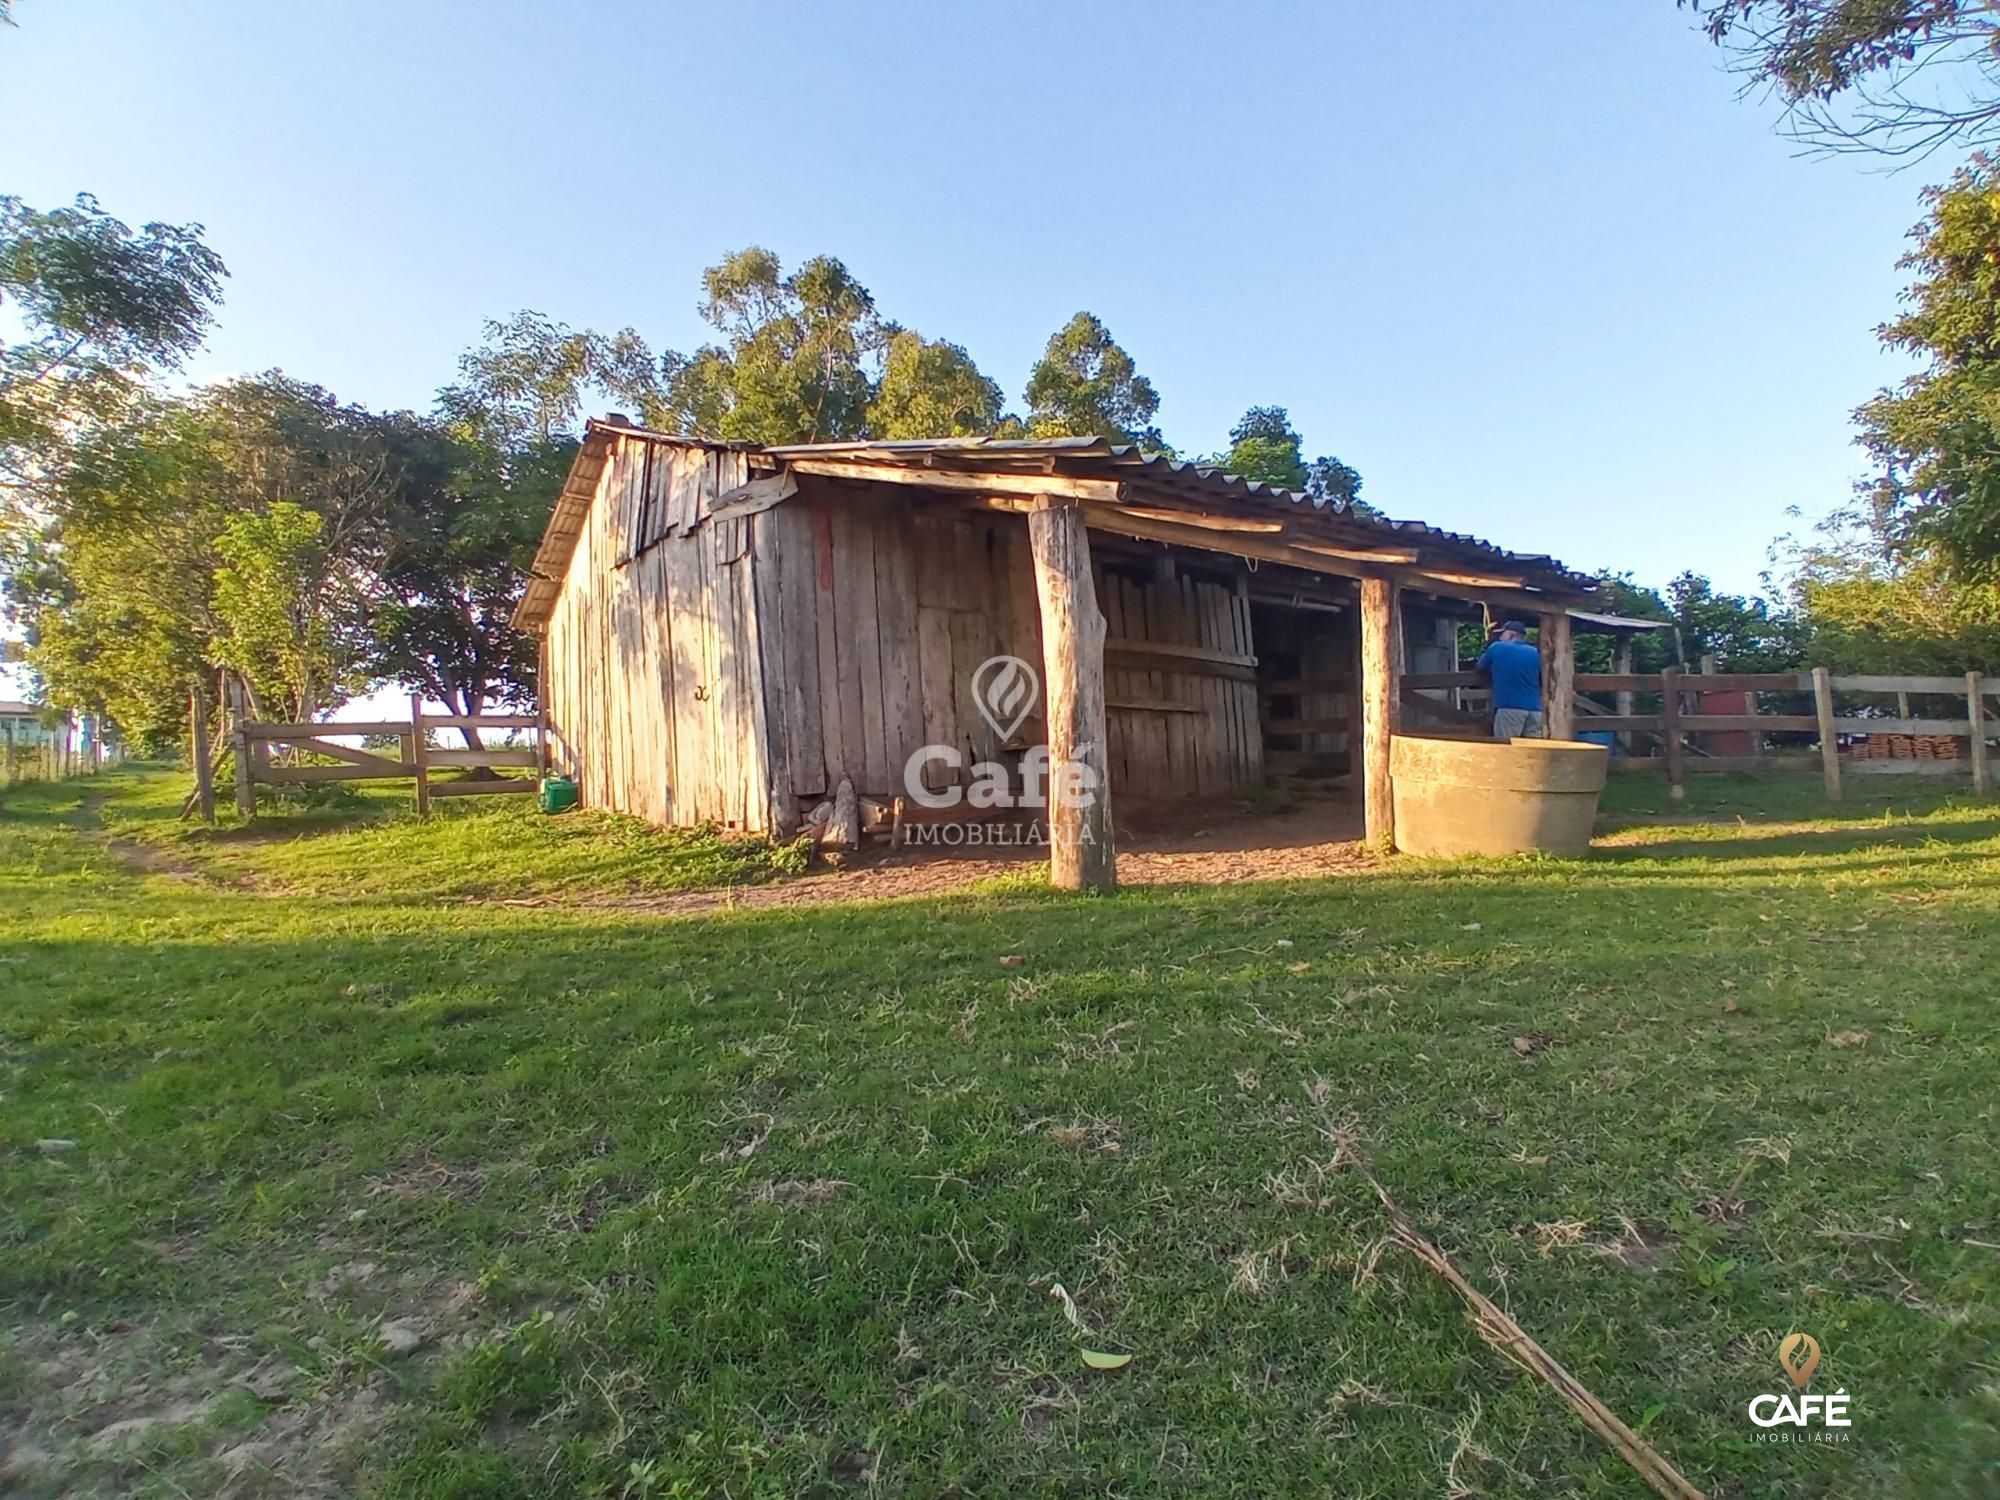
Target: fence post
<point>241,749</point>
<point>1975,711</point>
<point>1670,727</point>
<point>204,774</point>
<point>1829,739</point>
<point>420,755</point>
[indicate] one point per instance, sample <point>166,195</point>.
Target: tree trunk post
<point>1558,676</point>
<point>204,774</point>
<point>1975,712</point>
<point>1081,854</point>
<point>1381,705</point>
<point>1670,736</point>
<point>420,757</point>
<point>1829,738</point>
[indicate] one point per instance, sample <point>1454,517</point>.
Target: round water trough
<point>1495,796</point>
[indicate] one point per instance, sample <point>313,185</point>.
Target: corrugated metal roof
<point>1078,457</point>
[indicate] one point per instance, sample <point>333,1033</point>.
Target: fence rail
<point>1678,731</point>
<point>293,753</point>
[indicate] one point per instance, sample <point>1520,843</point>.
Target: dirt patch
<point>1189,844</point>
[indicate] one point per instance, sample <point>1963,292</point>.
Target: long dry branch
<point>1512,1341</point>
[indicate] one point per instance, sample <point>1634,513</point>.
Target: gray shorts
<point>1525,723</point>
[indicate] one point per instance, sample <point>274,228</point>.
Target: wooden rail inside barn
<point>269,753</point>
<point>1671,739</point>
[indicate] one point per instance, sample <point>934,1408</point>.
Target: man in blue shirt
<point>1515,670</point>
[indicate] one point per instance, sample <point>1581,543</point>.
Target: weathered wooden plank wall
<point>655,690</point>
<point>878,611</point>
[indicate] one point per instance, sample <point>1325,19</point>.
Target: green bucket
<point>558,794</point>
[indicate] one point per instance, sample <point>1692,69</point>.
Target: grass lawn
<point>377,1189</point>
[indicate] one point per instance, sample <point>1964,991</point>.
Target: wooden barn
<point>730,631</point>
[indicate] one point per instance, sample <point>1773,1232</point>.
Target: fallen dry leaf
<point>1528,1046</point>
<point>1011,960</point>
<point>1849,1039</point>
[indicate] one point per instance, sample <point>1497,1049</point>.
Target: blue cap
<point>1516,626</point>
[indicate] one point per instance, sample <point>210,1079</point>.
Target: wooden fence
<point>52,757</point>
<point>308,754</point>
<point>1805,705</point>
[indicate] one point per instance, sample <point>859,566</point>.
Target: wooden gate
<point>274,754</point>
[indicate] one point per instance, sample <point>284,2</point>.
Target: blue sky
<point>1535,270</point>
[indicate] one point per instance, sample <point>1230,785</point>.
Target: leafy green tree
<point>101,306</point>
<point>932,390</point>
<point>287,614</point>
<point>1897,76</point>
<point>1936,440</point>
<point>1264,446</point>
<point>1086,385</point>
<point>796,362</point>
<point>525,382</point>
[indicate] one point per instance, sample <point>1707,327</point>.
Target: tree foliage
<point>932,390</point>
<point>1903,77</point>
<point>1936,440</point>
<point>1264,446</point>
<point>102,306</point>
<point>1086,385</point>
<point>796,364</point>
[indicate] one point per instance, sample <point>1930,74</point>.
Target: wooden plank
<point>494,787</point>
<point>1710,764</point>
<point>1152,705</point>
<point>1670,730</point>
<point>479,758</point>
<point>1182,650</point>
<point>855,611</point>
<point>1863,683</point>
<point>934,678</point>
<point>1381,704</point>
<point>1982,775</point>
<point>1698,723</point>
<point>257,729</point>
<point>1062,485</point>
<point>1860,724</point>
<point>1718,682</point>
<point>1447,680</point>
<point>1829,742</point>
<point>1081,855</point>
<point>791,540</point>
<point>896,570</point>
<point>1119,729</point>
<point>461,721</point>
<point>311,775</point>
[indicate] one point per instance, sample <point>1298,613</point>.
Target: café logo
<point>1799,1415</point>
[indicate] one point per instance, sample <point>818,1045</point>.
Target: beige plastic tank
<point>1495,796</point>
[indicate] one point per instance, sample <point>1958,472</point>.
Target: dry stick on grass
<point>1507,1336</point>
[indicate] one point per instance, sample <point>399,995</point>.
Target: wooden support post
<point>1975,711</point>
<point>1829,738</point>
<point>1081,854</point>
<point>1381,704</point>
<point>420,756</point>
<point>204,774</point>
<point>1670,733</point>
<point>242,751</point>
<point>542,704</point>
<point>1621,663</point>
<point>1558,676</point>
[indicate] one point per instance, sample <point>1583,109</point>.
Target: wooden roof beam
<point>1058,486</point>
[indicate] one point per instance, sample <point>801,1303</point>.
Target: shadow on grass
<point>1813,843</point>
